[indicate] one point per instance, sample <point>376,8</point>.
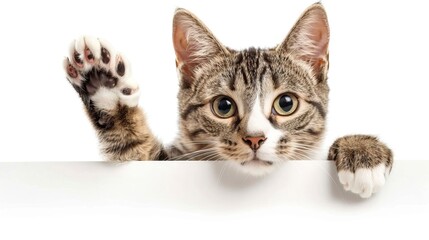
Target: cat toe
<point>363,184</point>
<point>92,50</point>
<point>379,175</point>
<point>73,75</point>
<point>346,179</point>
<point>363,181</point>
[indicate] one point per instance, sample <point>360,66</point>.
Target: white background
<point>378,78</point>
<point>205,200</point>
<point>378,67</point>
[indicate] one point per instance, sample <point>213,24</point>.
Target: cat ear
<point>194,45</point>
<point>309,39</point>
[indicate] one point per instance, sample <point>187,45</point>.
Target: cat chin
<point>256,168</point>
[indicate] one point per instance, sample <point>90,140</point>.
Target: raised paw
<point>100,75</point>
<point>363,163</point>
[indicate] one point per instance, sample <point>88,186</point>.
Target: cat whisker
<point>195,154</point>
<point>329,175</point>
<point>222,170</point>
<point>306,152</point>
<point>323,170</point>
<point>199,141</point>
<point>301,156</point>
<point>212,157</point>
<point>202,155</point>
<point>307,147</point>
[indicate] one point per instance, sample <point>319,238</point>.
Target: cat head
<point>253,107</point>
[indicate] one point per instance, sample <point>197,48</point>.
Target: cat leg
<point>102,79</point>
<point>363,163</point>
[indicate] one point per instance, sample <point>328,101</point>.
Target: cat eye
<point>223,107</point>
<point>285,104</point>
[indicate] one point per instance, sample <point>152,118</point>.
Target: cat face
<point>255,107</point>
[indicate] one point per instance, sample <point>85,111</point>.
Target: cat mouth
<point>257,161</point>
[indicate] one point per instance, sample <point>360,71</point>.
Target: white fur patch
<point>259,124</point>
<point>105,99</point>
<point>346,178</point>
<point>364,181</point>
<point>130,100</point>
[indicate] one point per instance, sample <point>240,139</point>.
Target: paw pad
<point>105,55</point>
<point>94,65</point>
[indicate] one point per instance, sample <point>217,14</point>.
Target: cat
<point>254,107</point>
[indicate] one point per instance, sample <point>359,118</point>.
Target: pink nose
<point>254,142</point>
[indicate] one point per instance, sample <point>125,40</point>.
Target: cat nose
<point>254,142</point>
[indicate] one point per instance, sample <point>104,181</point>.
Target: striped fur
<point>253,78</point>
<point>255,138</point>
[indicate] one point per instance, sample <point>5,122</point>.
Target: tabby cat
<point>255,107</point>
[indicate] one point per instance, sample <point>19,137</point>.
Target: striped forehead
<point>249,78</point>
<point>247,64</point>
<point>262,71</point>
